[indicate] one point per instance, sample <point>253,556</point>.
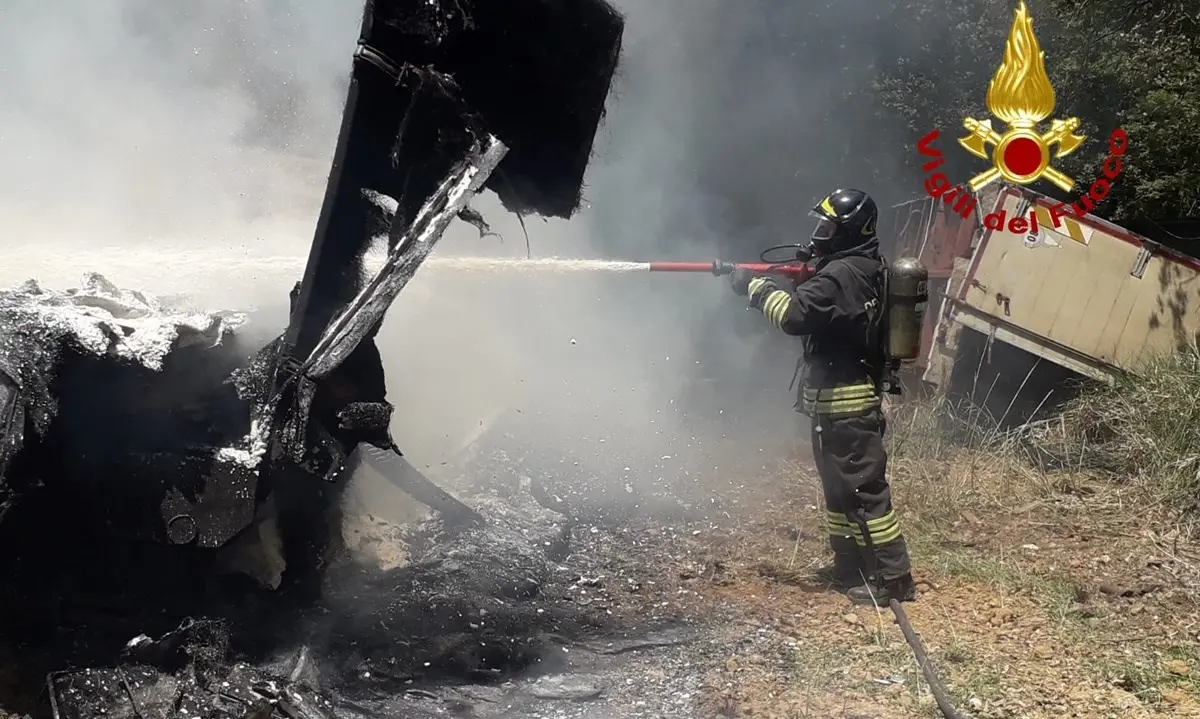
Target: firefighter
<point>838,312</point>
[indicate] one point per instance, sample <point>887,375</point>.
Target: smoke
<point>135,123</point>
<point>726,124</point>
<point>176,147</point>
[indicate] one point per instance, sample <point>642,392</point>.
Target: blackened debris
<point>101,384</point>
<point>537,71</point>
<point>431,77</point>
<point>185,673</point>
<point>474,218</point>
<point>112,438</point>
<point>479,606</point>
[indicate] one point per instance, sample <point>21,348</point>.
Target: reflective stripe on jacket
<point>841,401</point>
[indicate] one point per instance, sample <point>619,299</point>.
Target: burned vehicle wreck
<point>139,442</point>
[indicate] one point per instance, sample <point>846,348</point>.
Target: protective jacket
<point>838,311</point>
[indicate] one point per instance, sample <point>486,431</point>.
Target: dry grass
<point>1055,580</point>
<point>1121,463</point>
<point>1124,458</point>
<point>948,457</point>
<point>1136,440</point>
<point>1142,431</point>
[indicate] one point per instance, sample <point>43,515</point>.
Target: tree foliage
<point>1133,64</point>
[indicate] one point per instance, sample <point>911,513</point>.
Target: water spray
<point>116,263</point>
<point>791,263</point>
<point>718,268</point>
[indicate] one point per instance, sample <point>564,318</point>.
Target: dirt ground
<point>1040,597</point>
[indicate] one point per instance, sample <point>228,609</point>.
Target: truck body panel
<point>1081,292</point>
<point>1087,289</point>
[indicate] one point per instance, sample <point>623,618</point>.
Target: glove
<point>758,290</point>
<point>740,279</point>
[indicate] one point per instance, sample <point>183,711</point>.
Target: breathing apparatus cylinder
<point>907,293</point>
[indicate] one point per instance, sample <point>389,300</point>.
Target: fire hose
<point>914,642</point>
<point>792,264</point>
<point>931,677</point>
<point>794,271</point>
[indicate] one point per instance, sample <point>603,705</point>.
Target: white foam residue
<point>251,450</point>
<point>105,319</point>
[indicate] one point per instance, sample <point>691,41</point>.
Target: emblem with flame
<point>1021,95</point>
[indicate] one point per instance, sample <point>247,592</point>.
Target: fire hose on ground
<point>931,677</point>
<point>914,642</point>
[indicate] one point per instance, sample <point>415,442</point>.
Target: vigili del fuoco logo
<point>1020,95</point>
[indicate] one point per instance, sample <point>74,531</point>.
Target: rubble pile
<point>109,397</point>
<point>41,330</point>
<point>108,378</point>
<point>103,622</point>
<point>97,378</point>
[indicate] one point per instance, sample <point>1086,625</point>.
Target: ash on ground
<point>516,618</point>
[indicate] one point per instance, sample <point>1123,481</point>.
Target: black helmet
<point>845,219</point>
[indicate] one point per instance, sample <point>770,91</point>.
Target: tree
<point>1113,63</point>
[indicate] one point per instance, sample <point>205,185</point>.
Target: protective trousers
<point>852,463</point>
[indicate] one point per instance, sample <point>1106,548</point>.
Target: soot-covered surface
<point>38,325</point>
<point>85,368</point>
<point>515,619</point>
<point>536,71</point>
<point>429,80</point>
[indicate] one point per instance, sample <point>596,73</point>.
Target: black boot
<point>874,592</point>
<point>843,573</point>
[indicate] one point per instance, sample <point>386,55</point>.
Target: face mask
<point>825,230</point>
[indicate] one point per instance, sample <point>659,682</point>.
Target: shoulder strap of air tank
<point>877,330</point>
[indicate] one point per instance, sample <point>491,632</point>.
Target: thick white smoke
<point>183,148</point>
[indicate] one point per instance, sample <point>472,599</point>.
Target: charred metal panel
<point>949,238</point>
<point>534,73</point>
<point>906,228</point>
<point>932,231</point>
